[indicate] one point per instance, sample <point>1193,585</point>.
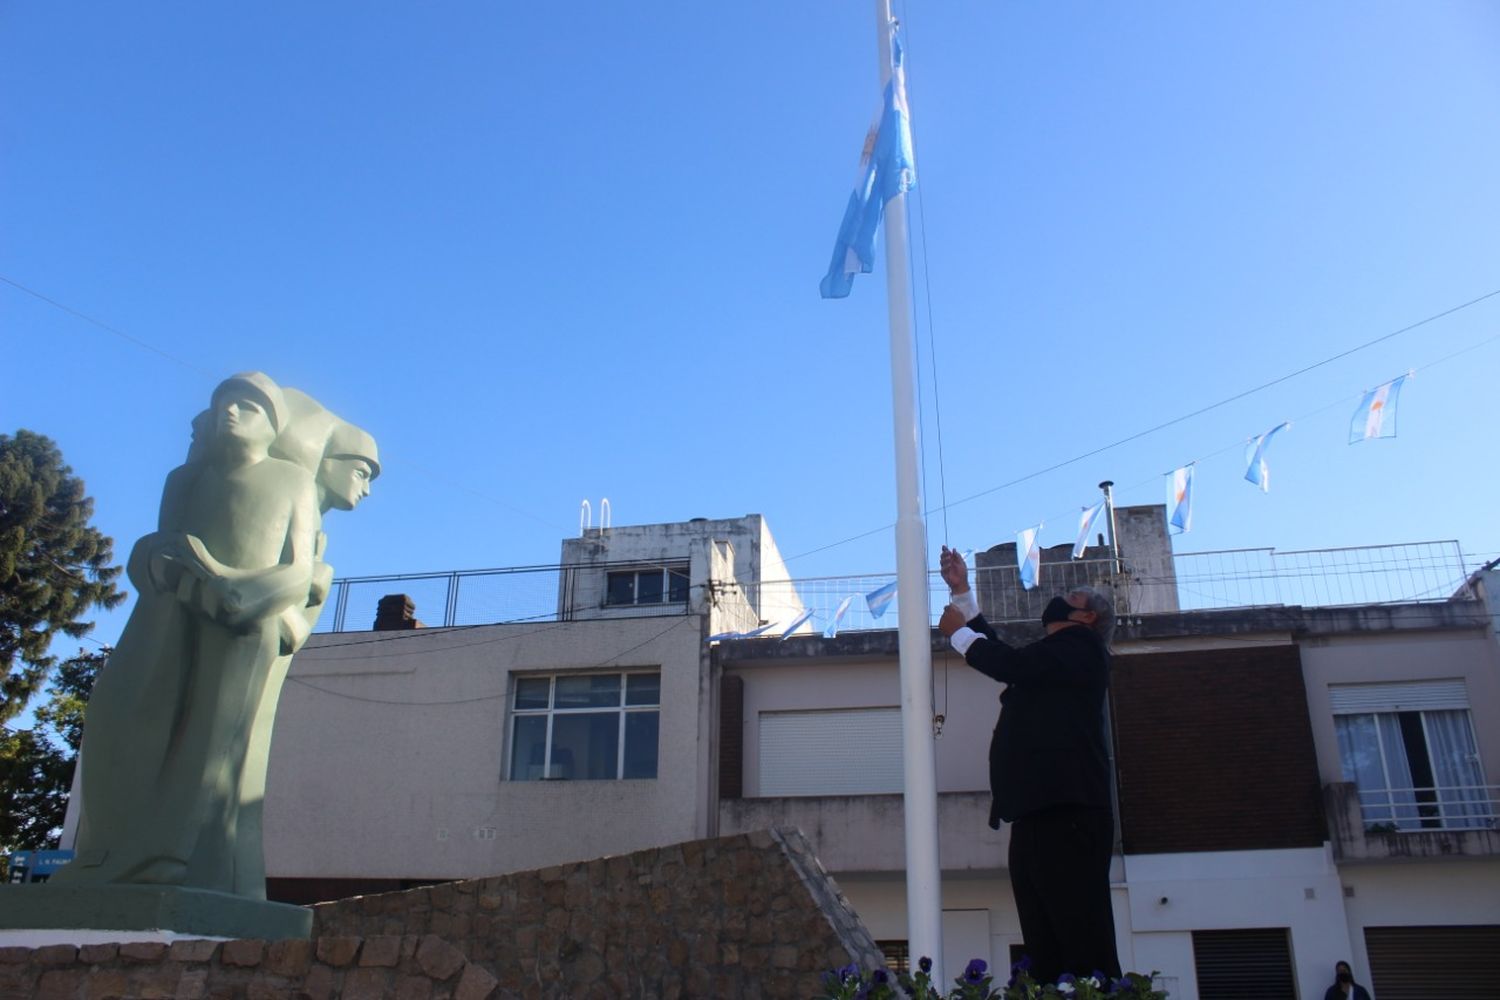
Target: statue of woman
<point>171,717</point>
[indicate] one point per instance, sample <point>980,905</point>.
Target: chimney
<point>396,612</point>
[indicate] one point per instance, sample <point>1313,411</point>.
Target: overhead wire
<point>1172,422</point>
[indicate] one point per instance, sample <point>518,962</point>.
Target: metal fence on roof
<point>1235,578</point>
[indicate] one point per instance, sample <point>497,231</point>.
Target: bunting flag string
<point>1180,500</point>
<point>1030,563</point>
<point>1086,522</point>
<point>1258,471</point>
<point>1376,415</point>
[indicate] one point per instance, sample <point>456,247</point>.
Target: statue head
<point>249,410</point>
<point>350,463</point>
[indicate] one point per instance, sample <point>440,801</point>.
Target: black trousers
<point>1059,872</point>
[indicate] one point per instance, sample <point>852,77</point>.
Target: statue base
<point>179,910</point>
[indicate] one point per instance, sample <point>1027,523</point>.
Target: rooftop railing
<point>1237,578</point>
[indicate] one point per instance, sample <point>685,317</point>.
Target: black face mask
<point>1057,610</point>
<point>1346,977</point>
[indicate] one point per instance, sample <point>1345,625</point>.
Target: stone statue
<point>179,724</point>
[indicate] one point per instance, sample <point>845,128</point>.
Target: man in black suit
<point>1049,770</point>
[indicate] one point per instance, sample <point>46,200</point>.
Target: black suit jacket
<point>1048,748</point>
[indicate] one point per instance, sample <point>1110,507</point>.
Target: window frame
<point>622,709</point>
<point>666,574</point>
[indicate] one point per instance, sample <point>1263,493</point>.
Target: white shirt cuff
<point>967,603</point>
<point>963,639</point>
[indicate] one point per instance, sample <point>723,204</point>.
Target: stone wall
<point>753,915</point>
<point>405,966</point>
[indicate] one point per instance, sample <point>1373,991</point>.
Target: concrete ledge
<point>177,909</point>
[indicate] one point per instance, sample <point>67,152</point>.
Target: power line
<point>1174,421</point>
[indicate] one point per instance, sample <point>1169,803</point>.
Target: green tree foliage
<point>36,765</point>
<point>54,565</point>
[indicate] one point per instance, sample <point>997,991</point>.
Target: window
<point>651,585</point>
<point>1409,749</point>
<point>585,727</point>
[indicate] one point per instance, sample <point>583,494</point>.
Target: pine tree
<point>54,565</point>
<point>36,765</point>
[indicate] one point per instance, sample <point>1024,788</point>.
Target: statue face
<point>241,416</point>
<point>345,481</point>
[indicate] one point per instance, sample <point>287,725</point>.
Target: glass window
<point>1415,770</point>
<point>650,585</point>
<point>585,727</point>
<point>677,585</point>
<point>621,589</point>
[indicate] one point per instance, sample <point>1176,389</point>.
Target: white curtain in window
<point>1456,771</point>
<point>1374,758</point>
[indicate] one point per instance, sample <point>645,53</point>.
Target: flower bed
<point>849,983</point>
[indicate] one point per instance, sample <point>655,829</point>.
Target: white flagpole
<point>924,905</point>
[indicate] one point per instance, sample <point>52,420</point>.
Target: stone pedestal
<point>183,912</point>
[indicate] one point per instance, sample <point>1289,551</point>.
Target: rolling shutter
<point>1408,696</point>
<point>1418,963</point>
<point>1244,964</point>
<point>854,751</point>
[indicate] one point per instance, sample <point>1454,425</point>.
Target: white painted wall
<point>390,751</point>
<point>1298,889</point>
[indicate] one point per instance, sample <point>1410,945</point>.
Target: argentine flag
<point>838,615</point>
<point>1258,472</point>
<point>879,599</point>
<point>1086,522</point>
<point>886,169</point>
<point>1029,551</point>
<point>1180,500</point>
<point>1376,416</point>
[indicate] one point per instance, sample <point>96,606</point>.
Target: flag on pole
<point>880,599</point>
<point>794,626</point>
<point>838,616</point>
<point>1180,500</point>
<point>1029,549</point>
<point>1086,522</point>
<point>1376,416</point>
<point>886,169</point>
<point>1258,472</point>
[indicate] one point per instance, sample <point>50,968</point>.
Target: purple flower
<point>924,963</point>
<point>881,976</point>
<point>974,972</point>
<point>1066,977</point>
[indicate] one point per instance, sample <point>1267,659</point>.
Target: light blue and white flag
<point>1180,500</point>
<point>838,616</point>
<point>759,631</point>
<point>720,637</point>
<point>1029,550</point>
<point>1376,416</point>
<point>880,599</point>
<point>794,626</point>
<point>886,169</point>
<point>1257,471</point>
<point>1086,522</point>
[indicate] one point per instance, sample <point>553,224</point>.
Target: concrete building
<point>1296,784</point>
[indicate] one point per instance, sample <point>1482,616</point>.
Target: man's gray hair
<point>1103,609</point>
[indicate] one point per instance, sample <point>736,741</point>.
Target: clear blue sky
<point>547,252</point>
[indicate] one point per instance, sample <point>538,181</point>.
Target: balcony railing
<point>1239,578</point>
<point>1422,810</point>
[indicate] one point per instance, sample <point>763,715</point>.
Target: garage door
<point>1418,963</point>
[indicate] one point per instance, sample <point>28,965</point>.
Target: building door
<point>1418,963</point>
<point>1253,963</point>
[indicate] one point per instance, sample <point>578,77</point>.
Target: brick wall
<point>1215,751</point>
